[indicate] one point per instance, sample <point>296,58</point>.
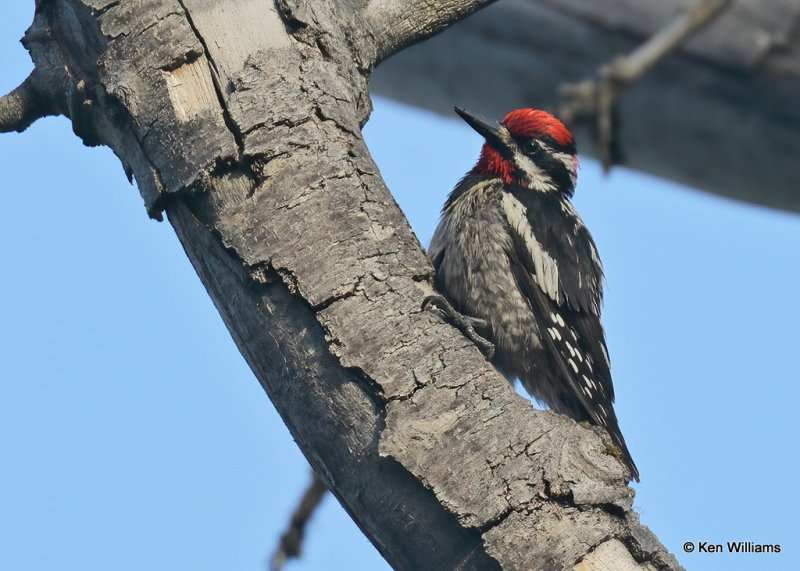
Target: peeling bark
<point>251,143</point>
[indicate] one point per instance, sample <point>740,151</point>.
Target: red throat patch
<point>492,163</point>
<point>536,123</point>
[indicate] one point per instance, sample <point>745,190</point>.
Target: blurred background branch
<point>291,543</point>
<point>741,70</point>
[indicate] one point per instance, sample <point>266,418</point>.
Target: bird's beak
<point>490,132</point>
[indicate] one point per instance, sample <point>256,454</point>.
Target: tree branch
<point>291,542</point>
<point>745,65</point>
<point>320,280</point>
<point>399,24</point>
<point>30,101</point>
<point>598,98</point>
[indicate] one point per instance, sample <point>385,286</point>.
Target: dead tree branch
<point>397,25</point>
<point>291,543</point>
<point>597,98</point>
<point>742,70</point>
<point>20,108</point>
<point>320,280</point>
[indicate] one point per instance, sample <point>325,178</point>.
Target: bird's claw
<point>465,323</point>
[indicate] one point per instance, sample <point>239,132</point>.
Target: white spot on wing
<point>604,352</point>
<point>595,255</point>
<point>569,209</point>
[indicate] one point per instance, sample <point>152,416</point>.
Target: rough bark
<point>241,120</point>
<point>720,116</point>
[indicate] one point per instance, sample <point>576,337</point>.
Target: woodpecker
<point>520,274</point>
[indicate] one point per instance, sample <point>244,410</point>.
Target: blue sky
<point>133,436</point>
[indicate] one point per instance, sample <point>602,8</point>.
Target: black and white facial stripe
<point>544,158</point>
<point>543,164</point>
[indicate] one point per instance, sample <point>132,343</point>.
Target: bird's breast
<point>473,269</point>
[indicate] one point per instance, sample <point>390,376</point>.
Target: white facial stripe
<point>568,160</point>
<point>537,179</point>
<point>545,267</point>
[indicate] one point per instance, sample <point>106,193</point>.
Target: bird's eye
<point>531,147</point>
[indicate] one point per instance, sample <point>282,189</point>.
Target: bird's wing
<point>565,297</point>
<point>586,369</point>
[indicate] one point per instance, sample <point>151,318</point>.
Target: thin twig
<point>291,542</point>
<point>599,97</point>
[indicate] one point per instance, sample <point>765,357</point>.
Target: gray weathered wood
<point>255,154</point>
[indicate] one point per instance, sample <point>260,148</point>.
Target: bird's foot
<point>465,323</point>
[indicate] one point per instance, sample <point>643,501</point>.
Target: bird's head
<point>529,148</point>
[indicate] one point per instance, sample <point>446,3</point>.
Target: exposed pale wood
<point>232,31</point>
<point>191,89</point>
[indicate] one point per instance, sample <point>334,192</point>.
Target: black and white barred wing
<point>555,264</point>
<point>559,272</point>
